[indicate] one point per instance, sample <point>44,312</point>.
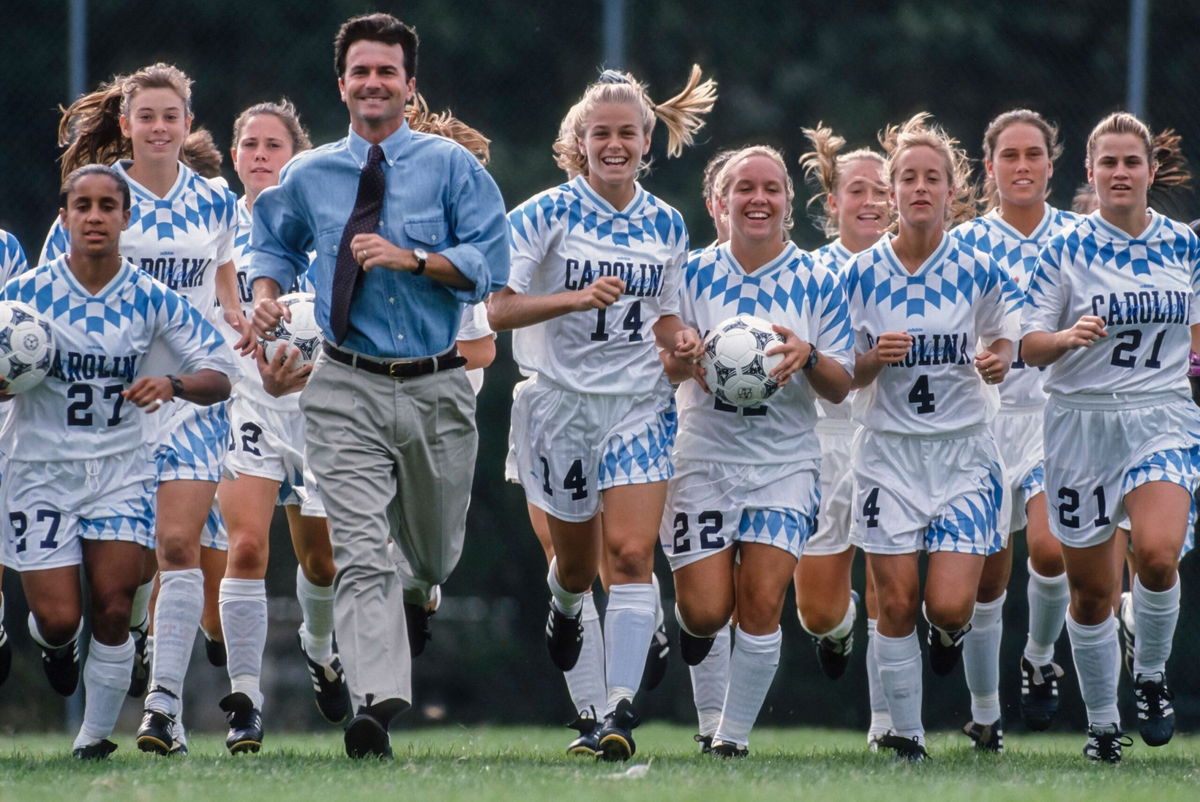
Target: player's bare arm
<point>508,309</point>
<point>372,250</point>
<point>204,387</point>
<point>994,363</point>
<point>829,379</point>
<point>889,348</point>
<point>680,348</point>
<point>1040,348</point>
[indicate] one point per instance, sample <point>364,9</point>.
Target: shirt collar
<point>392,146</point>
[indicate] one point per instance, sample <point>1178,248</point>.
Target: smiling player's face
<point>375,87</point>
<point>157,124</point>
<point>614,143</point>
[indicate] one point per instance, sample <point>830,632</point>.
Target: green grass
<point>527,764</point>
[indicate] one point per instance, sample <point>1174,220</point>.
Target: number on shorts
<point>921,396</point>
<point>575,480</point>
<point>632,324</point>
<point>745,412</point>
<point>20,525</point>
<point>1069,503</point>
<point>870,508</point>
<point>79,412</point>
<point>546,488</point>
<point>710,522</point>
<point>251,432</point>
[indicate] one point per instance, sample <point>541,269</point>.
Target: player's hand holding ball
<point>267,314</point>
<point>794,352</point>
<point>600,294</point>
<point>286,374</point>
<point>1087,330</point>
<point>892,346</point>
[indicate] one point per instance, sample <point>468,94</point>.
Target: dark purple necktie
<point>363,220</point>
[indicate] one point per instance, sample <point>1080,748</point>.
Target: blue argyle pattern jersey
<point>790,291</point>
<point>564,240</point>
<point>955,303</point>
<point>12,257</point>
<point>102,342</point>
<point>1018,256</point>
<point>832,256</point>
<point>1145,288</point>
<point>179,239</point>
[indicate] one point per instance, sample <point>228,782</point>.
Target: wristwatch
<point>421,255</point>
<point>176,385</point>
<point>813,355</point>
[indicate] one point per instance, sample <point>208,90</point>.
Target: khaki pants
<point>393,460</point>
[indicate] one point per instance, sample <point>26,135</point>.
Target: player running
<point>1113,308</point>
<point>181,232</point>
<point>594,290</point>
<point>746,489</point>
<point>1019,150</point>
<point>934,323</point>
<point>96,512</point>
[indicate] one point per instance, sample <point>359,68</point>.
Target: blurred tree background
<point>512,69</point>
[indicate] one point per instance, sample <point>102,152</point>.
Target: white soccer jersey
<point>179,239</point>
<point>833,256</point>
<point>1147,290</point>
<point>789,291</point>
<point>12,257</point>
<point>1017,254</point>
<point>101,342</point>
<point>565,239</point>
<point>957,301</point>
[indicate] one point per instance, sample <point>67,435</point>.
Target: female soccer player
<point>927,470</point>
<point>1019,150</point>
<point>594,290</point>
<point>12,263</point>
<point>1113,309</point>
<point>855,196</point>
<point>97,512</point>
<point>756,504</point>
<point>181,232</point>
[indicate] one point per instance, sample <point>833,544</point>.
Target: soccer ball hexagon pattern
<point>26,347</point>
<point>301,333</point>
<point>736,363</point>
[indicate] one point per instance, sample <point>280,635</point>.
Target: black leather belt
<point>396,369</point>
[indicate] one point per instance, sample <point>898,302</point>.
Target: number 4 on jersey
<point>632,324</point>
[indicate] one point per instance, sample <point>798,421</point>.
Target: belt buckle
<point>394,368</point>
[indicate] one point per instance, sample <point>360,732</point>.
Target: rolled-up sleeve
<point>281,236</point>
<point>479,231</point>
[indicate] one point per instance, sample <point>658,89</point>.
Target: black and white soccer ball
<point>300,333</point>
<point>26,347</point>
<point>736,365</point>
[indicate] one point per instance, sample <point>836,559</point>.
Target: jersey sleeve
<point>1194,263</point>
<point>228,229</point>
<point>835,338</point>
<point>1046,296</point>
<point>669,303</point>
<point>999,315</point>
<point>12,258</point>
<point>57,243</point>
<point>527,230</point>
<point>192,339</point>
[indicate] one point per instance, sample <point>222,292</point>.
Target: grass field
<point>527,764</point>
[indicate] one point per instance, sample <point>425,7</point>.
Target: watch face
<point>421,253</point>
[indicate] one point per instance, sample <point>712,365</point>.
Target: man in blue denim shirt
<point>389,413</point>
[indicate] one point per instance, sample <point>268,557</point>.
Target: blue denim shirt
<point>438,197</point>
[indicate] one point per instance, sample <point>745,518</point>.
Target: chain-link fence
<point>512,69</point>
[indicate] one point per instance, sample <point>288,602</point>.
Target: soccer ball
<point>735,361</point>
<point>302,333</point>
<point>26,347</point>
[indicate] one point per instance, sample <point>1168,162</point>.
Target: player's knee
<point>1090,607</point>
<point>896,608</point>
<point>177,551</point>
<point>1157,569</point>
<point>110,617</point>
<point>247,556</point>
<point>949,614</point>
<point>705,621</point>
<point>630,563</point>
<point>318,568</point>
<point>1046,561</point>
<point>57,623</point>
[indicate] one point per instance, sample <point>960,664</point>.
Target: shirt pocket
<point>428,231</point>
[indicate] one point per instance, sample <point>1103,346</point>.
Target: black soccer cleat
<point>728,749</point>
<point>1104,744</point>
<point>564,638</point>
<point>1127,631</point>
<point>616,734</point>
<point>1039,694</point>
<point>1156,713</point>
<point>705,741</point>
<point>693,648</point>
<point>6,652</point>
<point>987,737</point>
<point>588,742</point>
<point>367,737</point>
<point>245,724</point>
<point>945,648</point>
<point>833,654</point>
<point>61,664</point>
<point>329,686</point>
<point>214,650</point>
<point>656,659</point>
<point>100,750</point>
<point>157,733</point>
<point>139,675</point>
<point>419,632</point>
<point>909,749</point>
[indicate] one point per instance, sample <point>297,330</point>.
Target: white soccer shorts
<point>1018,435</point>
<point>837,488</point>
<point>192,443</point>
<point>269,443</point>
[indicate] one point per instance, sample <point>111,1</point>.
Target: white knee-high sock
<point>981,659</point>
<point>586,682</point>
<point>316,608</point>
<point>658,608</point>
<point>105,681</point>
<point>900,676</point>
<point>244,621</point>
<point>1097,662</point>
<point>881,719</point>
<point>752,668</point>
<point>176,619</point>
<point>568,603</point>
<point>710,681</point>
<point>139,612</point>
<point>628,627</point>
<point>1049,597</point>
<point>1156,613</point>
